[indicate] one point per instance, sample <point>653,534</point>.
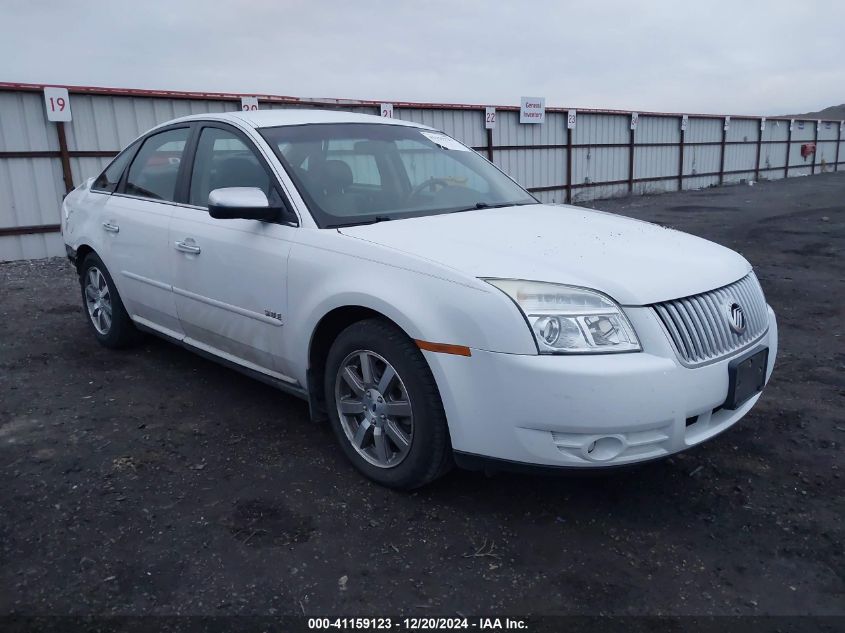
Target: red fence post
<point>631,161</point>
<point>568,163</point>
<point>489,141</point>
<point>681,154</point>
<point>788,150</point>
<point>64,157</point>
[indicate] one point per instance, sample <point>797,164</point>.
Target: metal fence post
<point>722,156</point>
<point>788,150</point>
<point>815,148</point>
<point>759,147</point>
<point>489,142</point>
<point>64,156</point>
<point>568,162</point>
<point>488,133</point>
<point>681,154</point>
<point>838,143</point>
<point>631,161</point>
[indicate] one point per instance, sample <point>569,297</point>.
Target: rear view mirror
<point>247,203</point>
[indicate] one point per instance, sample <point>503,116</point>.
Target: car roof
<point>293,116</point>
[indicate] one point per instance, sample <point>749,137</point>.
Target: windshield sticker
<point>446,142</point>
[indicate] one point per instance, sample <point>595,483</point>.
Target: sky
<point>739,57</point>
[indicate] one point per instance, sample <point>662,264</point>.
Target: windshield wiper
<point>487,205</point>
<point>373,220</point>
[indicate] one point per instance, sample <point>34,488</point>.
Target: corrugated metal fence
<point>602,156</point>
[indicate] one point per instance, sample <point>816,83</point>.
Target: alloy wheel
<point>98,300</point>
<point>374,408</point>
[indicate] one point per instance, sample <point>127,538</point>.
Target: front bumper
<point>588,411</point>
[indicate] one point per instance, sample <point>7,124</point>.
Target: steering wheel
<point>431,183</point>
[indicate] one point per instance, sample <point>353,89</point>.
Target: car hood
<point>635,262</point>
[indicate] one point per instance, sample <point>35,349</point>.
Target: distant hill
<point>832,113</point>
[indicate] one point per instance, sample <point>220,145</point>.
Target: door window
<point>154,171</point>
<point>109,179</point>
<point>222,160</point>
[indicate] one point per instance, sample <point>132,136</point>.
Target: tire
<point>116,330</point>
<point>376,448</point>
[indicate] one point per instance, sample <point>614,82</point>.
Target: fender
<point>322,279</point>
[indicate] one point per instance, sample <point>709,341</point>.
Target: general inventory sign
<point>532,110</point>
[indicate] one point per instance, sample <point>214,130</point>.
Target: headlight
<point>571,320</point>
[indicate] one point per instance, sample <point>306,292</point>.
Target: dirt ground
<point>152,481</point>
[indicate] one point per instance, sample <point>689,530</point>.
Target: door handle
<point>187,247</point>
<point>111,228</point>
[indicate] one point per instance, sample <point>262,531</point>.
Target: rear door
<point>136,220</point>
<point>230,276</point>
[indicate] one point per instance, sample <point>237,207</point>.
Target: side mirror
<point>247,203</point>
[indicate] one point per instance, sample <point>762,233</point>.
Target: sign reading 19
<point>57,103</point>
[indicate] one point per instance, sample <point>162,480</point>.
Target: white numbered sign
<point>727,123</point>
<point>489,118</point>
<point>635,118</point>
<point>684,123</point>
<point>387,110</point>
<point>762,124</point>
<point>571,117</point>
<point>249,103</point>
<point>791,124</point>
<point>57,102</point>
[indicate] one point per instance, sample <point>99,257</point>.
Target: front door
<point>230,276</point>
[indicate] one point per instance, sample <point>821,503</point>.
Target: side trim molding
<point>227,306</point>
<point>146,280</point>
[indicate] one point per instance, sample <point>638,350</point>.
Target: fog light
<point>603,449</point>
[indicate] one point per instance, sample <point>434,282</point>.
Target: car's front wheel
<point>384,406</point>
<point>106,315</point>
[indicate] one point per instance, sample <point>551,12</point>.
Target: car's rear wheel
<point>106,315</point>
<point>384,406</point>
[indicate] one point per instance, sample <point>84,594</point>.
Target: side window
<point>224,160</point>
<point>109,179</point>
<point>155,169</point>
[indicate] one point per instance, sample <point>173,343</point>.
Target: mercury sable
<point>423,302</point>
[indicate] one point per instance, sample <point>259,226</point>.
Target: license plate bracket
<point>746,377</point>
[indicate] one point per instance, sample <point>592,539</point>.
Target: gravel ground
<point>152,481</point>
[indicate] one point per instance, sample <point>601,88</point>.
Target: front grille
<point>699,326</point>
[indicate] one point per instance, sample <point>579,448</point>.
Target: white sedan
<point>432,309</point>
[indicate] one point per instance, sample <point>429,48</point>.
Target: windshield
<point>357,173</point>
